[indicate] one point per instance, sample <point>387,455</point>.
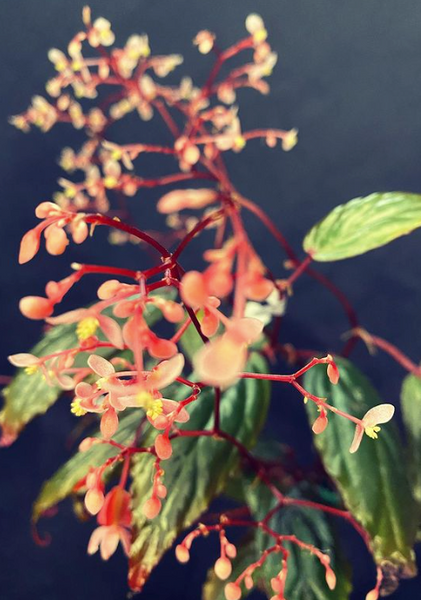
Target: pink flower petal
<point>73,316</point>
<point>84,390</point>
<point>382,413</point>
<point>101,366</point>
<point>111,331</point>
<point>23,360</point>
<point>109,542</point>
<point>126,540</point>
<point>170,406</point>
<point>358,436</point>
<point>166,372</point>
<point>96,539</point>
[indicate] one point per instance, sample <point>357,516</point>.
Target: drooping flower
<point>114,519</point>
<point>382,413</point>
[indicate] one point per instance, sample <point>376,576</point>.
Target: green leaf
<point>373,482</point>
<point>306,578</point>
<point>198,469</point>
<point>28,396</point>
<point>213,588</point>
<point>363,224</point>
<point>64,480</point>
<point>411,412</point>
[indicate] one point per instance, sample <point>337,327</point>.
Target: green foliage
<point>373,482</point>
<point>411,412</point>
<point>64,480</point>
<point>306,578</point>
<point>363,224</point>
<point>198,470</point>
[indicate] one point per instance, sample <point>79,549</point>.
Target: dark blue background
<point>349,78</point>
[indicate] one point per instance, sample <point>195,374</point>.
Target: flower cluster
<point>235,303</point>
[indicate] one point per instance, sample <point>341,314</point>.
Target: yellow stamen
<point>31,370</point>
<point>152,406</point>
<point>260,35</point>
<point>86,328</point>
<point>76,408</point>
<point>110,182</point>
<point>372,432</point>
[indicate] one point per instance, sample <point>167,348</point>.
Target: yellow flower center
<point>110,182</point>
<point>76,408</point>
<point>86,328</point>
<point>152,406</point>
<point>31,370</point>
<point>260,35</point>
<point>372,432</point>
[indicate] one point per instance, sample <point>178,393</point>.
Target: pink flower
<point>102,397</point>
<point>114,520</point>
<point>381,413</point>
<point>220,362</point>
<point>145,394</point>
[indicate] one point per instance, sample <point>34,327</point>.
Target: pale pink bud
<point>80,232</point>
<point>161,490</point>
<point>152,507</point>
<point>223,568</point>
<point>108,289</point>
<point>231,550</point>
<point>182,554</point>
<point>333,373</point>
<point>248,582</point>
<point>163,447</point>
<point>330,578</point>
<point>320,424</point>
<point>94,500</point>
<point>109,423</point>
<point>372,595</point>
<point>55,240</point>
<point>29,246</point>
<point>36,307</point>
<point>232,591</point>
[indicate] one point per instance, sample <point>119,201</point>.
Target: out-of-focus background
<point>348,78</point>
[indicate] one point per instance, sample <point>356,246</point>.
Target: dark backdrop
<point>348,77</point>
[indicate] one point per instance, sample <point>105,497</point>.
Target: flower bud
<point>94,500</point>
<point>223,568</point>
<point>232,591</point>
<point>152,507</point>
<point>182,554</point>
<point>36,307</point>
<point>163,447</point>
